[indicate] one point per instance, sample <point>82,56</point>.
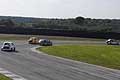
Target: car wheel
<point>108,43</point>
<point>14,49</point>
<point>41,44</point>
<point>51,44</point>
<point>11,49</point>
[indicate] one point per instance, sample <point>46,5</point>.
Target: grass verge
<point>2,77</point>
<point>103,55</point>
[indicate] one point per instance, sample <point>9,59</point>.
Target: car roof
<point>33,38</point>
<point>43,39</point>
<point>8,42</point>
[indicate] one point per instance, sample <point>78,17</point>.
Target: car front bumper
<point>4,49</point>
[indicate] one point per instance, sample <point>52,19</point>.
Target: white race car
<point>45,42</point>
<point>8,46</point>
<point>112,42</point>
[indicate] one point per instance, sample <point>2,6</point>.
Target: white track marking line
<point>11,75</point>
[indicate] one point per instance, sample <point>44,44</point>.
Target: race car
<point>33,40</point>
<point>45,42</point>
<point>112,42</point>
<point>8,46</point>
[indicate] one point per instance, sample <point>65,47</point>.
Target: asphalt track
<point>34,66</point>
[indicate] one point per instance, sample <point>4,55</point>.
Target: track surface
<point>34,66</point>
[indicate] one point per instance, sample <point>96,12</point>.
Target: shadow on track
<point>12,51</point>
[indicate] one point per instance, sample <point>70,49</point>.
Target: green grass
<point>2,77</point>
<point>103,55</point>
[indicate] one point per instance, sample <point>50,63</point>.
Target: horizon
<point>56,17</point>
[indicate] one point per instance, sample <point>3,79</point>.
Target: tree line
<point>73,24</point>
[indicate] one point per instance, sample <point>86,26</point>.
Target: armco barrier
<point>49,32</point>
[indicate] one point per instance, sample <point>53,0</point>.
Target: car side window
<point>12,44</point>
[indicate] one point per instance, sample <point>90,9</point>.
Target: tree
<point>7,22</point>
<point>79,20</point>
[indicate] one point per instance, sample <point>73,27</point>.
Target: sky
<point>61,8</point>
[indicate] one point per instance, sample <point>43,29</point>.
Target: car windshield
<point>46,40</point>
<point>7,44</point>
